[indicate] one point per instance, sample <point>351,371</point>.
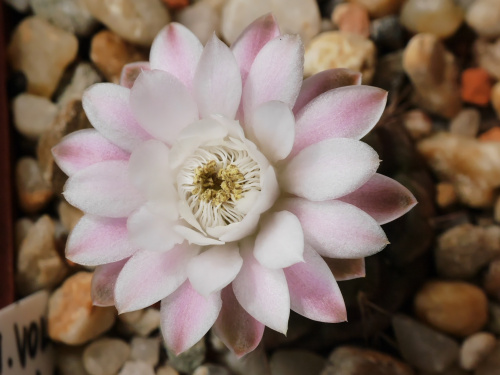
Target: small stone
<point>38,263</point>
<point>105,356</point>
<point>131,317</point>
<point>83,77</point>
<point>136,368</point>
<point>495,98</point>
<point>347,360</point>
<point>72,317</point>
<point>472,166</point>
<point>494,321</point>
<point>147,323</point>
<point>445,195</point>
<point>294,17</point>
<point>453,307</point>
<point>145,350</point>
<point>423,347</point>
<point>69,215</point>
<point>418,124</point>
<point>491,135</point>
<point>22,6</point>
<point>21,230</point>
<point>496,210</point>
<point>488,56</point>
<point>491,282</point>
<point>110,53</point>
<point>475,348</point>
<point>42,52</point>
<point>380,8</point>
<point>434,74</point>
<point>335,49</point>
<point>466,123</point>
<point>491,364</point>
<point>441,18</point>
<point>253,363</point>
<point>32,190</point>
<point>212,370</point>
<point>387,33</point>
<point>202,19</point>
<point>166,370</point>
<point>476,86</point>
<point>352,18</point>
<point>135,21</point>
<point>69,15</point>
<point>33,114</point>
<point>69,360</point>
<point>296,362</point>
<point>189,360</point>
<point>484,17</point>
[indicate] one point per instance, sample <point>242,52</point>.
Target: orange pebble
<point>476,86</point>
<point>176,4</point>
<point>492,135</point>
<point>352,18</point>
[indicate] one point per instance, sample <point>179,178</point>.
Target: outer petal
<point>83,148</point>
<point>346,269</point>
<point>162,104</point>
<point>177,51</point>
<point>251,41</point>
<point>314,292</point>
<point>103,189</point>
<point>215,268</point>
<point>382,198</point>
<point>262,292</point>
<point>107,108</point>
<point>96,240</point>
<point>329,169</point>
<point>237,329</point>
<point>151,276</point>
<point>131,71</point>
<point>336,229</point>
<point>186,316</point>
<point>150,231</point>
<point>280,241</point>
<point>270,122</point>
<point>325,81</point>
<point>346,112</point>
<point>276,73</point>
<point>103,283</point>
<point>217,81</point>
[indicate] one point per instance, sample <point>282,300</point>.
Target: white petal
<point>195,237</point>
<point>329,169</point>
<point>273,126</point>
<point>215,268</point>
<point>217,82</point>
<point>235,231</point>
<point>280,241</point>
<point>162,104</point>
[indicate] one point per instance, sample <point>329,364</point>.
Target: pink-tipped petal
<point>314,293</point>
<point>150,276</point>
<point>329,169</point>
<point>336,229</point>
<point>131,71</point>
<point>276,73</point>
<point>108,110</point>
<point>346,112</point>
<point>215,268</point>
<point>251,41</point>
<point>261,291</point>
<point>186,316</point>
<point>217,81</point>
<point>103,283</point>
<point>96,240</point>
<point>237,329</point>
<point>382,198</point>
<point>162,104</point>
<point>280,241</point>
<point>151,231</point>
<point>346,269</point>
<point>103,189</point>
<point>270,122</point>
<point>325,81</point>
<point>176,50</point>
<point>83,148</point>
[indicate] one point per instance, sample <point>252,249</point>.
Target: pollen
<point>217,185</point>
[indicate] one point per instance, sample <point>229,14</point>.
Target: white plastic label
<point>25,348</point>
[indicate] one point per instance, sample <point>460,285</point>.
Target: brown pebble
<point>352,18</point>
<point>445,194</point>
<point>491,282</point>
<point>33,191</point>
<point>495,98</point>
<point>418,124</point>
<point>453,307</point>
